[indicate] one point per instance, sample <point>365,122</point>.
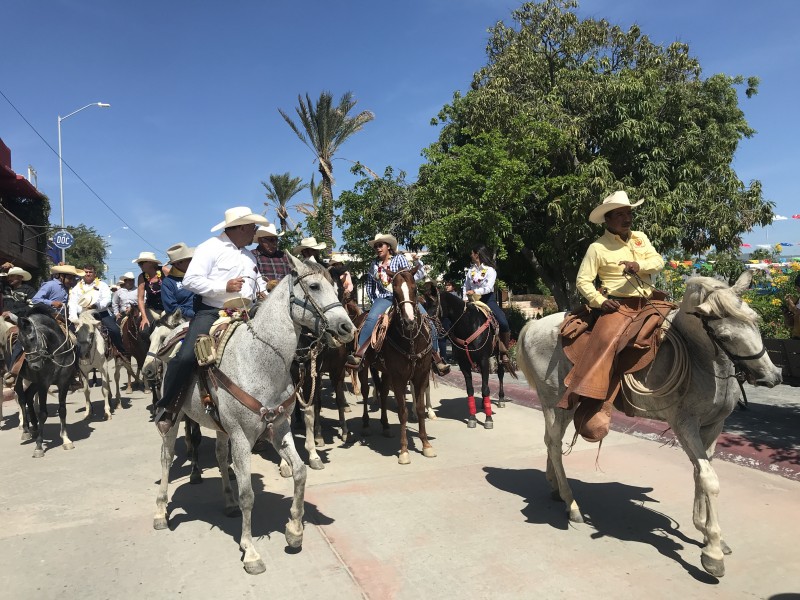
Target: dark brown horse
<point>403,358</point>
<point>137,341</point>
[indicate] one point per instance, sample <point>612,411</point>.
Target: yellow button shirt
<point>602,260</point>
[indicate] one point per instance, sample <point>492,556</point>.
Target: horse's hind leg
<point>556,421</point>
<point>66,443</point>
<point>285,447</point>
<point>161,520</point>
<point>486,394</point>
<point>419,406</point>
<point>107,397</point>
<point>26,415</point>
<point>85,382</point>
<point>193,437</point>
<point>223,456</point>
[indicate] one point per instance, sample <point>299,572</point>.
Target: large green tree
<point>565,112</point>
<point>89,249</point>
<point>324,127</point>
<point>280,190</point>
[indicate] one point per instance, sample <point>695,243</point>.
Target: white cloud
<point>780,218</point>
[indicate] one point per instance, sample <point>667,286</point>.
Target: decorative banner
<point>796,216</point>
<point>746,246</point>
<point>764,246</point>
<point>786,244</point>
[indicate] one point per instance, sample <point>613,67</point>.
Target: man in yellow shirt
<point>626,263</point>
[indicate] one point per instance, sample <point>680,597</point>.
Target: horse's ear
<point>175,318</point>
<point>743,283</point>
<point>24,324</point>
<point>296,263</point>
<point>704,310</point>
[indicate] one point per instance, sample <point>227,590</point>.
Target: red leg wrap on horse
<point>471,404</point>
<point>487,406</point>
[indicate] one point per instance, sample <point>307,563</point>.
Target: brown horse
<point>137,341</point>
<point>403,358</point>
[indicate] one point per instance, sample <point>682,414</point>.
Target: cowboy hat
<point>85,301</point>
<point>65,270</point>
<point>386,238</point>
<point>240,215</point>
<point>146,257</point>
<point>179,251</point>
<point>17,271</point>
<point>618,199</point>
<point>309,243</point>
<point>268,231</point>
<point>128,275</point>
<point>239,302</point>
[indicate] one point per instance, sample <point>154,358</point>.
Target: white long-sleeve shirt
<point>480,279</point>
<point>215,262</point>
<point>96,294</point>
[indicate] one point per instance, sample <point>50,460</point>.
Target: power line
<point>104,203</point>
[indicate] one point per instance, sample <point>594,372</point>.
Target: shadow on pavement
<point>773,427</point>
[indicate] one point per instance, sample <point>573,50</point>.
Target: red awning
<point>12,184</point>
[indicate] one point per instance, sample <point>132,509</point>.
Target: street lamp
<point>61,163</point>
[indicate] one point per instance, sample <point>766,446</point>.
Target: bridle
<point>736,359</point>
<point>39,353</point>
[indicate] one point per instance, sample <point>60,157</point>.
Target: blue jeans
<point>380,306</point>
<point>502,321</point>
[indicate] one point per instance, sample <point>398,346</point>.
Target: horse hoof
<point>403,459</point>
<point>428,452</point>
<point>160,523</point>
<point>195,478</point>
<point>233,511</point>
<point>108,416</point>
<point>431,415</point>
<point>38,453</point>
<point>68,446</point>
<point>255,567</point>
<point>488,424</point>
<point>316,464</point>
<point>575,516</point>
<point>319,442</point>
<point>471,423</point>
<point>347,408</point>
<point>286,471</point>
<point>294,535</point>
<point>726,550</point>
<point>713,566</point>
<point>501,403</point>
<point>24,437</point>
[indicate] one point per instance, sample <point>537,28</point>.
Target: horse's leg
<point>284,444</point>
<point>314,460</point>
<point>106,389</point>
<point>341,403</point>
<point>486,394</point>
<point>319,442</point>
<point>192,436</point>
<point>384,393</point>
<point>363,377</point>
<point>463,365</point>
<point>706,492</point>
<point>399,388</point>
<point>709,435</point>
<point>41,409</point>
<point>161,519</point>
<point>63,390</point>
<point>85,382</point>
<point>420,387</point>
<point>223,460</point>
<point>26,417</point>
<point>241,450</point>
<point>556,421</point>
<point>428,406</point>
<point>501,395</point>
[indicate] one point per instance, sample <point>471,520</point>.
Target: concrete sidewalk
<point>474,522</point>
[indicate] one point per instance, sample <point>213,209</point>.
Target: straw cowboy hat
<point>179,251</point>
<point>616,200</point>
<point>128,275</point>
<point>268,231</point>
<point>309,243</point>
<point>146,257</point>
<point>240,215</point>
<point>386,238</point>
<point>66,270</point>
<point>17,271</point>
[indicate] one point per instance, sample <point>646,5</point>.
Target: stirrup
<point>354,362</point>
<point>441,368</point>
<point>9,379</point>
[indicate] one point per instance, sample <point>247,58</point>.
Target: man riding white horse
<point>90,293</point>
<point>221,269</point>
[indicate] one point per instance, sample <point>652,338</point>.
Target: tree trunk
<point>557,283</point>
<point>326,204</point>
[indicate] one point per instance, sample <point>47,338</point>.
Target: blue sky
<point>194,89</point>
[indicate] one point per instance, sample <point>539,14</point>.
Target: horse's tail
<point>523,360</point>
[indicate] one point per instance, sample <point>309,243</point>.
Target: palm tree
<point>324,128</point>
<point>281,189</point>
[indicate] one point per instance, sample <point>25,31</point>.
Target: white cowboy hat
<point>309,243</point>
<point>85,301</point>
<point>128,275</point>
<point>239,302</point>
<point>66,270</point>
<point>146,257</point>
<point>18,271</point>
<point>386,238</point>
<point>240,215</point>
<point>179,251</point>
<point>268,231</point>
<point>616,200</point>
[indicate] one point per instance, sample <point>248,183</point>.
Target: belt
<point>102,314</point>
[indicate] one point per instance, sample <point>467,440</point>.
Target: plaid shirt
<point>374,287</point>
<point>272,267</point>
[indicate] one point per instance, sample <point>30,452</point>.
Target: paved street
<point>474,522</point>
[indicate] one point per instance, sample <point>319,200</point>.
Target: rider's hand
<point>609,305</point>
<point>631,266</point>
<point>235,285</point>
<point>145,323</point>
<point>56,304</point>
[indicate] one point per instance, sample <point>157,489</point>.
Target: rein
<point>41,354</point>
<point>463,344</point>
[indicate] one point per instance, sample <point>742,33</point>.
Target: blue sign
<point>63,239</point>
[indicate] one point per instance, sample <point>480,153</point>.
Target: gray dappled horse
<point>92,347</point>
<point>50,359</point>
<point>691,385</point>
<point>258,358</point>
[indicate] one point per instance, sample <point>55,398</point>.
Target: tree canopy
<point>565,112</point>
<point>89,249</point>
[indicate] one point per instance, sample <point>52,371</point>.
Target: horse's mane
<point>39,309</point>
<point>722,300</point>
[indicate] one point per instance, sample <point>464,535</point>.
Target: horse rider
<point>149,285</point>
<point>479,285</point>
<point>378,289</point>
<point>173,294</point>
<point>792,309</point>
<point>126,296</point>
<point>273,264</point>
<point>15,294</point>
<point>221,269</point>
<point>309,249</point>
<point>55,294</point>
<point>92,293</point>
<point>625,262</point>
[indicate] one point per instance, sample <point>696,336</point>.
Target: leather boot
<point>354,360</point>
<point>10,378</point>
<point>505,343</point>
<point>439,366</point>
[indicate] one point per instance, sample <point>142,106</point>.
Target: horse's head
<point>37,334</point>
<point>430,297</point>
<point>404,290</point>
<point>161,330</point>
<point>732,325</point>
<point>86,330</point>
<point>313,304</point>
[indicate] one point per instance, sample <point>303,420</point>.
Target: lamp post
<point>61,163</point>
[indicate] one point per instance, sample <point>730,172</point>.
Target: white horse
<point>258,359</point>
<point>712,334</point>
<point>92,346</point>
